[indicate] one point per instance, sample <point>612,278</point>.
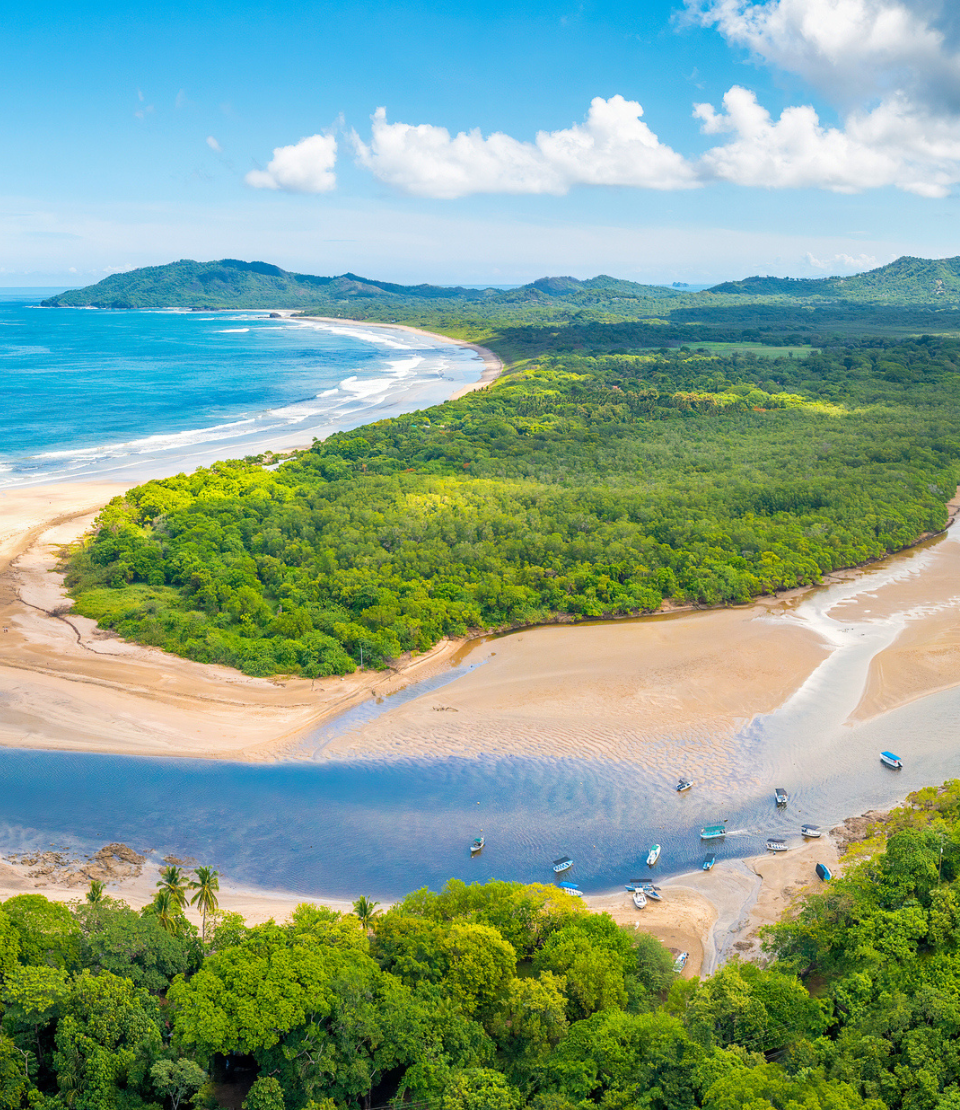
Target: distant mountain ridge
<point>231,283</point>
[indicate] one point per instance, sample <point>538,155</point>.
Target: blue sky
<point>800,137</point>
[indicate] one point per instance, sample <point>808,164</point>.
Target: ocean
<point>89,394</point>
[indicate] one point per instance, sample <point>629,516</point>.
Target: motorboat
<point>651,892</point>
<point>811,831</point>
<point>564,863</point>
<point>781,795</point>
<point>713,832</point>
<point>683,784</point>
<point>775,844</point>
<point>639,899</point>
<point>823,872</point>
<point>653,855</point>
<point>708,862</point>
<point>477,845</point>
<point>681,961</point>
<point>891,760</point>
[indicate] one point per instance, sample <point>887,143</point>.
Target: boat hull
<point>713,832</point>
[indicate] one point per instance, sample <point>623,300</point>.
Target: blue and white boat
<point>713,832</point>
<point>571,888</point>
<point>891,760</point>
<point>823,872</point>
<point>683,784</point>
<point>708,862</point>
<point>651,891</point>
<point>681,961</point>
<point>653,855</point>
<point>564,863</point>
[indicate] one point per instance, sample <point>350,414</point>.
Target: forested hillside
<point>581,486</point>
<point>492,997</point>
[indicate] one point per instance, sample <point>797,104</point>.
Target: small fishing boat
<point>477,845</point>
<point>681,961</point>
<point>775,844</point>
<point>571,888</point>
<point>713,832</point>
<point>683,784</point>
<point>708,862</point>
<point>891,760</point>
<point>639,899</point>
<point>811,831</point>
<point>564,863</point>
<point>653,855</point>
<point>781,795</point>
<point>651,892</point>
<point>823,872</point>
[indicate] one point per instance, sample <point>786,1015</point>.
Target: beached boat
<point>708,862</point>
<point>823,872</point>
<point>775,844</point>
<point>891,760</point>
<point>683,784</point>
<point>639,899</point>
<point>781,795</point>
<point>571,888</point>
<point>811,831</point>
<point>713,832</point>
<point>651,892</point>
<point>564,863</point>
<point>681,961</point>
<point>653,855</point>
<point>477,845</point>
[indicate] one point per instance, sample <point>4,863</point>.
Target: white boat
<point>811,831</point>
<point>571,888</point>
<point>682,785</point>
<point>775,844</point>
<point>564,863</point>
<point>653,855</point>
<point>713,832</point>
<point>891,760</point>
<point>477,845</point>
<point>651,891</point>
<point>639,899</point>
<point>681,961</point>
<point>781,795</point>
<point>708,862</point>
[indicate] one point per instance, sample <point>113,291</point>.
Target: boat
<point>781,795</point>
<point>823,872</point>
<point>681,961</point>
<point>653,855</point>
<point>572,888</point>
<point>775,844</point>
<point>683,784</point>
<point>891,760</point>
<point>564,863</point>
<point>812,831</point>
<point>713,832</point>
<point>651,892</point>
<point>708,862</point>
<point>477,845</point>
<point>639,899</point>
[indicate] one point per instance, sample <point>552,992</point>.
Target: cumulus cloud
<point>612,147</point>
<point>843,262</point>
<point>304,167</point>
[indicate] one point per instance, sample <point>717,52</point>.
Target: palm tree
<point>206,884</point>
<point>365,910</point>
<point>167,910</point>
<point>96,892</point>
<point>174,882</point>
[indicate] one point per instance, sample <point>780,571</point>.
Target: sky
<point>493,142</point>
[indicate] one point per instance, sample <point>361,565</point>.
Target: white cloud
<point>841,263</point>
<point>612,147</point>
<point>214,145</point>
<point>305,167</point>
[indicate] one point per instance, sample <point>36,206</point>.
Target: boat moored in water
<point>653,855</point>
<point>823,872</point>
<point>811,831</point>
<point>781,795</point>
<point>891,760</point>
<point>713,832</point>
<point>564,863</point>
<point>683,784</point>
<point>639,899</point>
<point>775,844</point>
<point>477,845</point>
<point>708,862</point>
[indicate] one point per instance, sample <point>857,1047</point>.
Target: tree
<point>265,1094</point>
<point>176,1079</point>
<point>166,909</point>
<point>116,938</point>
<point>365,910</point>
<point>96,893</point>
<point>47,931</point>
<point>173,881</point>
<point>206,884</point>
